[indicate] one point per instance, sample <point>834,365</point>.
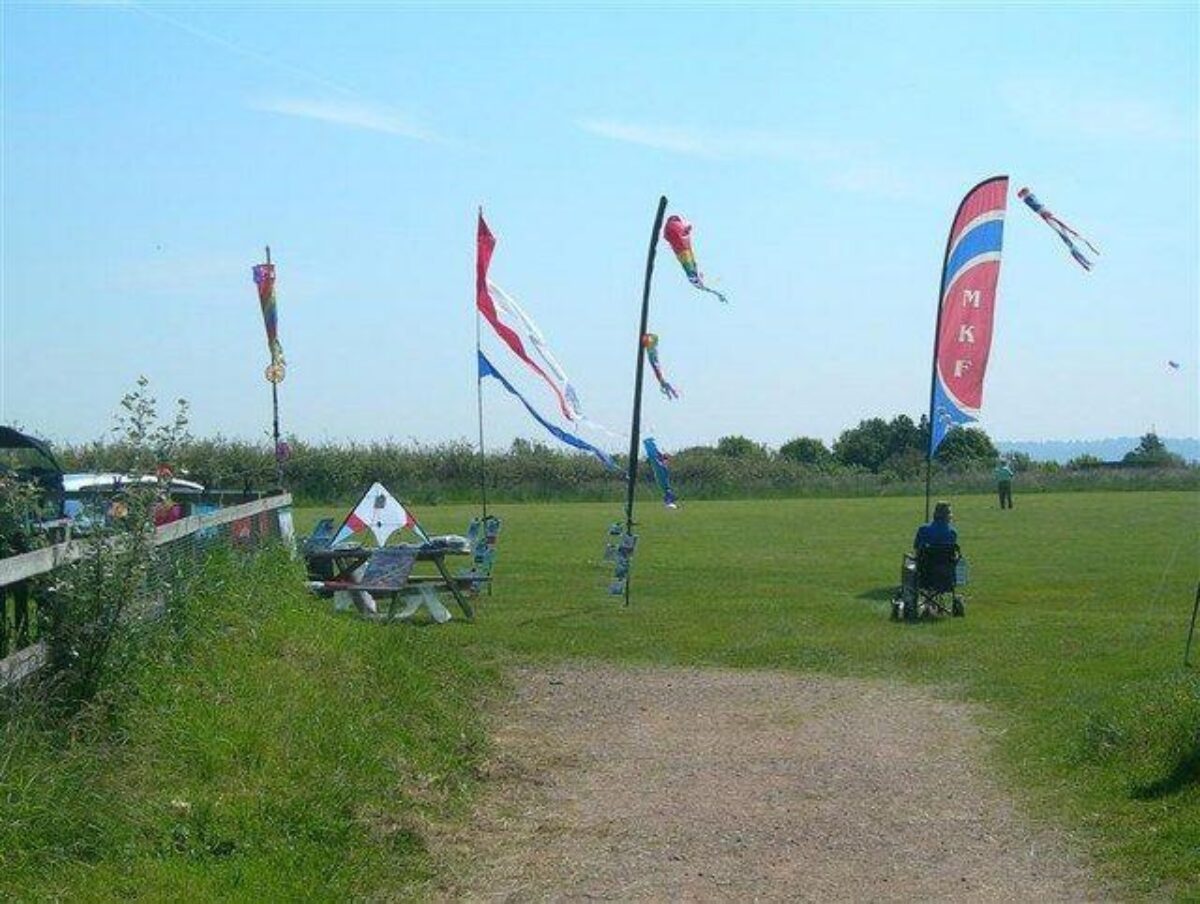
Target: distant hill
<point>1109,449</point>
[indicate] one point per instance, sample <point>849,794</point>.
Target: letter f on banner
<point>970,273</point>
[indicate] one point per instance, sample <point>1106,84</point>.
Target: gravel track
<point>711,785</point>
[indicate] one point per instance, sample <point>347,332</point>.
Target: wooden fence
<point>24,662</point>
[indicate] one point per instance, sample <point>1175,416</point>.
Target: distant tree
<point>878,445</point>
<point>1083,462</point>
<point>521,448</point>
<point>805,450</point>
<point>866,446</point>
<point>907,437</point>
<point>740,447</point>
<point>1151,452</point>
<point>1020,461</point>
<point>967,447</point>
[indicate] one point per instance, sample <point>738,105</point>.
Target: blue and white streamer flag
<point>487,369</point>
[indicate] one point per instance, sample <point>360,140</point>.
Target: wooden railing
<point>14,569</point>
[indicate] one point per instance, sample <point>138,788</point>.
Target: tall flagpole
<point>479,406</point>
<point>636,425</point>
<point>275,416</point>
<point>937,339</point>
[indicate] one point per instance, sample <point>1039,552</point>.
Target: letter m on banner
<point>963,341</point>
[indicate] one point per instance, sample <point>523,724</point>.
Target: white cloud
<point>1055,106</point>
<point>711,145</point>
<point>847,166</point>
<point>355,114</point>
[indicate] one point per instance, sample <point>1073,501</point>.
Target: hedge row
<point>450,472</point>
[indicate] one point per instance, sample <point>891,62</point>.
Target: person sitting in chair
<point>937,532</point>
<point>931,571</point>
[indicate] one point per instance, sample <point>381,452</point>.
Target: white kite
<point>381,513</point>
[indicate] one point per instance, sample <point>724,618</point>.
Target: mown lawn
<point>1078,609</point>
<point>271,750</point>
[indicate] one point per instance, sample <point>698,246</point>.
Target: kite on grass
<point>650,343</point>
<point>1064,232</point>
<point>659,463</point>
<point>678,233</point>
<point>379,512</point>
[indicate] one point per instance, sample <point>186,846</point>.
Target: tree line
<point>875,457</point>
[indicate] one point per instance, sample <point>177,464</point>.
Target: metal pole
<point>636,425</point>
<point>479,406</point>
<point>1187,651</point>
<point>275,417</point>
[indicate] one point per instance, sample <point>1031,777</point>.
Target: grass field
<point>280,752</point>
<point>1077,614</point>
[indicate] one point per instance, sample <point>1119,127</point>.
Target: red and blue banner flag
<point>485,244</point>
<point>487,369</point>
<point>970,272</point>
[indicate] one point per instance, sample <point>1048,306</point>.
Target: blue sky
<point>150,151</point>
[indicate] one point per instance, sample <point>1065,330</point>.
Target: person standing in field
<point>1004,479</point>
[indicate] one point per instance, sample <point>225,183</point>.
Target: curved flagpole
<point>636,425</point>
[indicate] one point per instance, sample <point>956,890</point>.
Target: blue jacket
<point>935,533</point>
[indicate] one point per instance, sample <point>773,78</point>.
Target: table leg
<point>466,607</point>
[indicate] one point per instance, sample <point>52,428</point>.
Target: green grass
<point>272,753</point>
<point>313,749</point>
<point>1077,614</point>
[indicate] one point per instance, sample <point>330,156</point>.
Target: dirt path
<point>697,785</point>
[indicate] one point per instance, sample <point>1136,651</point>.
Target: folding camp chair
<point>927,580</point>
<point>321,538</point>
<point>482,534</point>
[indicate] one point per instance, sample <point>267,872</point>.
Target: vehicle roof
<point>81,482</point>
<point>15,439</point>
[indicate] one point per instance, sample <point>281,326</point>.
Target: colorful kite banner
<point>678,233</point>
<point>650,343</point>
<point>485,244</point>
<point>487,369</point>
<point>1064,232</point>
<point>659,464</point>
<point>970,272</point>
<point>264,278</point>
<point>379,512</point>
<point>506,303</point>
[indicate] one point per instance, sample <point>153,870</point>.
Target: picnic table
<point>387,571</point>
